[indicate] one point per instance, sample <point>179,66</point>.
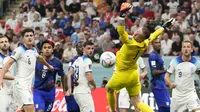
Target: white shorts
<point>190,102</point>
<point>22,96</point>
<point>7,103</point>
<point>85,102</point>
<point>123,100</point>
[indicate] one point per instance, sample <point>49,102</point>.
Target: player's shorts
<point>162,97</point>
<point>126,78</point>
<point>43,100</point>
<point>22,96</point>
<point>181,103</point>
<point>7,103</point>
<point>85,102</point>
<point>123,99</point>
<point>71,104</point>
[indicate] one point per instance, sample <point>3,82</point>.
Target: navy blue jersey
<point>44,77</point>
<point>156,63</point>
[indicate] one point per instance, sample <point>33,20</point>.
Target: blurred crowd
<point>68,22</point>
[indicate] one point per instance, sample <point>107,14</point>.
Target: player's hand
<point>51,68</point>
<point>68,93</point>
<point>169,23</point>
<point>1,83</point>
<point>125,7</point>
<point>172,85</point>
<point>142,76</point>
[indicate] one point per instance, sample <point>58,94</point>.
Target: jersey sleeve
<point>124,37</point>
<point>88,65</point>
<point>152,62</point>
<point>141,63</point>
<point>1,63</point>
<point>16,53</point>
<point>171,67</point>
<point>155,34</point>
<point>61,71</point>
<point>36,53</point>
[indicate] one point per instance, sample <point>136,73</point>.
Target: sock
<point>144,107</point>
<point>111,100</point>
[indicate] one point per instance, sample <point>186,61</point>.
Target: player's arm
<point>41,60</point>
<point>88,73</point>
<point>153,66</point>
<point>124,37</point>
<point>7,76</point>
<point>62,75</point>
<point>69,83</point>
<point>170,71</point>
<point>159,31</point>
<point>198,69</point>
<point>144,72</point>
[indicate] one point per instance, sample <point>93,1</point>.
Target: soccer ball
<point>107,59</point>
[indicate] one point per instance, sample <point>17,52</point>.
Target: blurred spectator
<point>69,53</point>
<point>37,22</point>
<point>173,6</point>
<point>90,8</point>
<point>106,43</point>
<point>187,33</point>
<point>74,7</point>
<point>69,30</point>
<point>140,8</point>
<point>114,19</point>
<point>182,24</point>
<point>62,20</point>
<point>2,28</point>
<point>61,7</point>
<point>193,18</point>
<point>176,31</point>
<point>18,27</point>
<point>166,45</point>
<point>195,45</point>
<point>15,42</point>
<point>87,19</point>
<point>39,7</point>
<point>97,53</point>
<point>155,6</point>
<point>149,14</point>
<point>133,15</point>
<point>95,29</point>
<point>76,20</point>
<point>186,7</point>
<point>74,37</point>
<point>26,22</point>
<point>58,51</point>
<point>9,34</point>
<point>167,15</point>
<point>104,82</point>
<point>102,7</point>
<point>12,22</point>
<point>39,44</point>
<point>113,48</point>
<point>176,46</point>
<point>51,7</point>
<point>32,13</point>
<point>26,5</point>
<point>158,21</point>
<point>21,13</point>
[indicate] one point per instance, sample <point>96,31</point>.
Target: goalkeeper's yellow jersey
<point>131,50</point>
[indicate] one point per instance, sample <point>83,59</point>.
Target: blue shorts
<point>72,106</point>
<point>162,97</point>
<point>43,100</point>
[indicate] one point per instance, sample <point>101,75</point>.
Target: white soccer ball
<point>107,59</point>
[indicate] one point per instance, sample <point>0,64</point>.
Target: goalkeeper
<point>126,73</point>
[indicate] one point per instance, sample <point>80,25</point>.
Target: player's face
<point>4,44</point>
<point>29,38</point>
<point>187,49</point>
<point>156,44</point>
<point>139,37</point>
<point>89,49</point>
<point>47,49</point>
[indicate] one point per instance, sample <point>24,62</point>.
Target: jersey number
<point>180,74</point>
<point>136,54</point>
<point>76,73</point>
<point>29,61</point>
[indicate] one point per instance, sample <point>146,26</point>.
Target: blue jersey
<point>156,63</point>
<point>45,77</point>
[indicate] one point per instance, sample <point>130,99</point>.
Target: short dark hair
<point>146,32</point>
<point>79,48</point>
<point>49,42</point>
<point>25,30</point>
<point>87,43</point>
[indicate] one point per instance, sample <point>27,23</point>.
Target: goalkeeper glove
<point>169,23</point>
<point>124,9</point>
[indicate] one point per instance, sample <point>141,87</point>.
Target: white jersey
<point>184,75</point>
<point>25,63</point>
<point>81,66</point>
<point>7,83</point>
